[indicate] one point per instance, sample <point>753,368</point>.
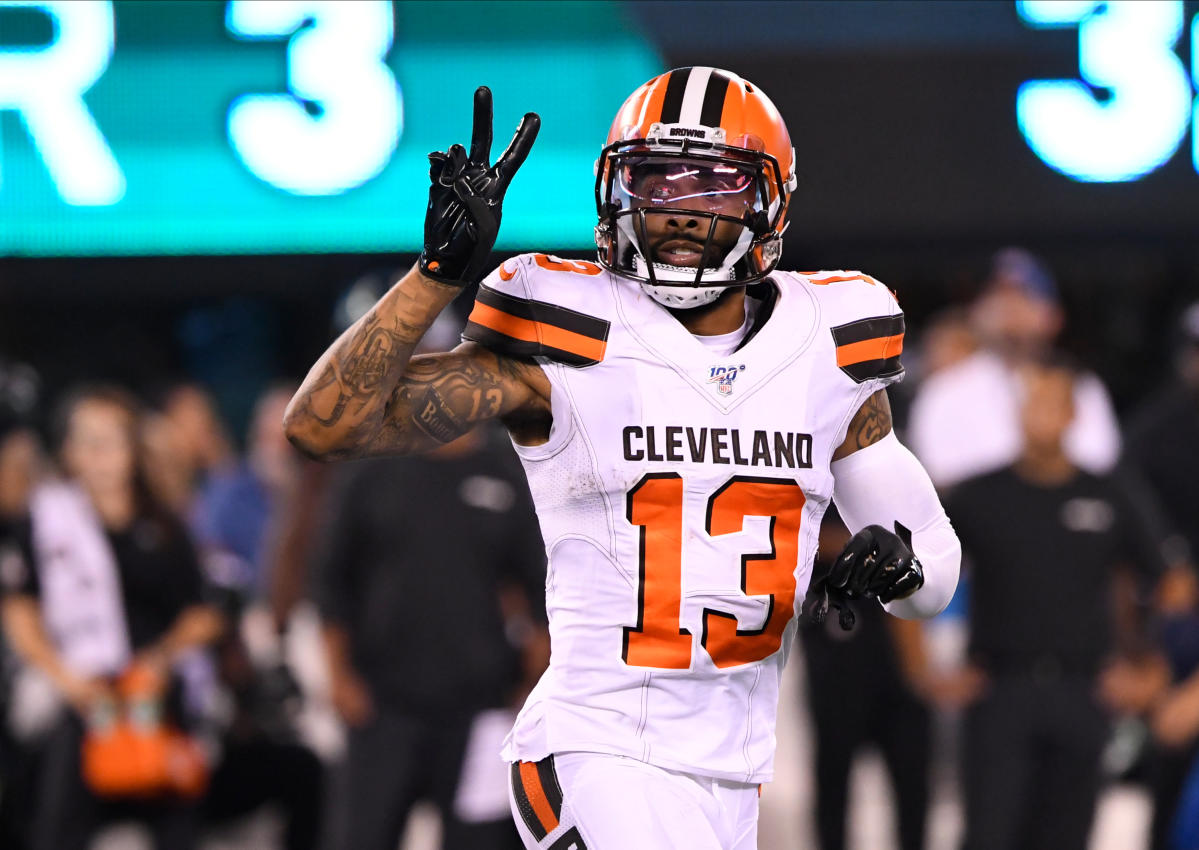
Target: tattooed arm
<point>870,424</point>
<point>367,395</point>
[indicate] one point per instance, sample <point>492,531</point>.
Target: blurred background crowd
<point>209,641</point>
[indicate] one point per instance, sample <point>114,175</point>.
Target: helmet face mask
<point>690,219</point>
<point>692,209</point>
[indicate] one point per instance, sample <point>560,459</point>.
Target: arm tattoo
<point>446,404</point>
<point>870,424</point>
<point>443,396</point>
<point>359,374</point>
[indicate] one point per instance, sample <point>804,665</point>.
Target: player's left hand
<point>819,599</point>
<point>466,195</point>
<point>874,564</point>
<point>877,563</point>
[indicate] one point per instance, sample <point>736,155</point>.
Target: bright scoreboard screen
<point>148,127</point>
<point>281,126</point>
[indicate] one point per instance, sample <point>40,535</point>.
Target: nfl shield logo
<point>723,377</point>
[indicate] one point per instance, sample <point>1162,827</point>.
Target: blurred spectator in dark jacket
<point>873,686</point>
<point>103,583</point>
<point>21,464</point>
<point>965,418</point>
<point>1162,438</point>
<point>858,696</point>
<point>431,595</point>
<point>1045,540</point>
<point>1162,445</point>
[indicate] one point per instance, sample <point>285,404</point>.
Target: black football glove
<point>877,563</point>
<point>819,599</point>
<point>874,564</point>
<point>463,218</point>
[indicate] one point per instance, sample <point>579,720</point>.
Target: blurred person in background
<point>948,339</point>
<point>1161,443</point>
<point>239,505</point>
<point>858,695</point>
<point>1045,540</point>
<point>1173,768</point>
<point>263,761</point>
<point>21,464</point>
<point>1163,435</point>
<point>240,516</point>
<point>102,590</point>
<point>254,517</point>
<point>187,443</point>
<point>965,418</point>
<point>430,581</point>
<point>20,448</point>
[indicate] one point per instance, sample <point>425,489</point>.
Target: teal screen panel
<point>293,126</point>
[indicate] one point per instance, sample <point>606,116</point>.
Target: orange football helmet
<point>692,186</point>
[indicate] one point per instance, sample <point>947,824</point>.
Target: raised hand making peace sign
<point>465,197</point>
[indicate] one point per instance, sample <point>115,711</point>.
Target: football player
<point>684,413</point>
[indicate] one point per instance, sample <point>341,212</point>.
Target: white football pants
<point>594,801</point>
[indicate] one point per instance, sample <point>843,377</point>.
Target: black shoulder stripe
<point>541,311</point>
<point>864,329</point>
<point>889,367</point>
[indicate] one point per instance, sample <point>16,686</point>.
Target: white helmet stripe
<point>693,96</point>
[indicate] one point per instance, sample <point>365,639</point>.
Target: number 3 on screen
<point>1127,48</point>
<point>335,65</point>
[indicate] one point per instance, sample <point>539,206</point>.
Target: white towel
<point>80,587</point>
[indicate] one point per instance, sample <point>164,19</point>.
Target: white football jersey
<point>680,496</point>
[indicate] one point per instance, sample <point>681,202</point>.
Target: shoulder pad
<point>506,318</point>
<point>866,323</point>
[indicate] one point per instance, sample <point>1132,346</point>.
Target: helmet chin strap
<point>665,271</point>
<point>679,297</point>
<point>683,297</point>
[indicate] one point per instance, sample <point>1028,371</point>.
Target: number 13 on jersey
<point>655,505</point>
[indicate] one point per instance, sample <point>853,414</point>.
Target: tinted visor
<point>725,187</point>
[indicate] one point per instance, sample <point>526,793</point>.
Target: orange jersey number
<point>554,264</point>
<point>557,264</point>
<point>655,505</point>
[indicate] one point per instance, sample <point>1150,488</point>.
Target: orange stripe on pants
<point>536,794</point>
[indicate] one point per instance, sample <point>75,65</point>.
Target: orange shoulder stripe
<point>841,279</point>
<point>879,348</point>
<point>540,332</point>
